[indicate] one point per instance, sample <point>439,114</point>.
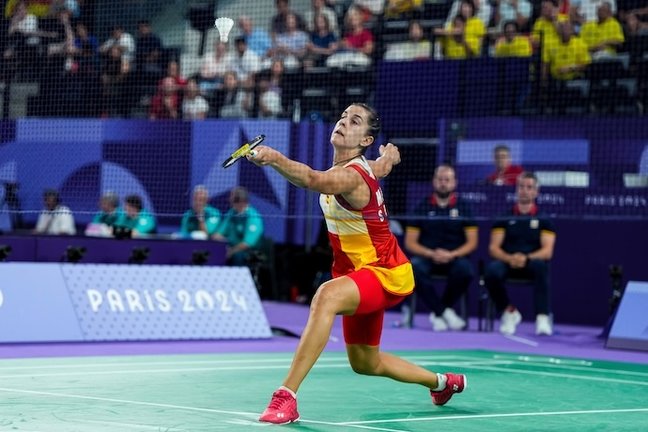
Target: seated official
<point>201,220</point>
<point>505,173</point>
<point>439,240</point>
<point>521,245</point>
<point>241,228</point>
<point>103,222</point>
<point>135,218</point>
<point>56,218</point>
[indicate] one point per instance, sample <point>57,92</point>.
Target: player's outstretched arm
<point>336,180</point>
<point>389,157</point>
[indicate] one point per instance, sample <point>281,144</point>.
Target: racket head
<point>243,151</point>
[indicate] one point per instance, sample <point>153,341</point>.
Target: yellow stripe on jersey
<point>397,280</point>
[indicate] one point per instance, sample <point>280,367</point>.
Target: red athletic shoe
<point>456,384</point>
<point>282,409</point>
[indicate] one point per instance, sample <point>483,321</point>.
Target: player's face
<point>351,129</point>
<point>526,190</point>
<point>444,181</point>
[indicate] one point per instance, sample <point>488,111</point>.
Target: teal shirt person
<point>244,227</point>
<point>107,218</point>
<point>135,218</point>
<point>191,221</point>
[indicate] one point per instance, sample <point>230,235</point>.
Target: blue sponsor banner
<point>101,302</point>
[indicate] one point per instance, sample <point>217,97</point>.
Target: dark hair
<point>373,121</point>
<point>513,23</point>
<point>134,201</point>
<point>500,148</point>
<point>528,175</point>
<point>144,22</point>
<point>240,39</point>
<point>47,193</point>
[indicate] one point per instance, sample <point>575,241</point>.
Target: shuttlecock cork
<point>224,25</point>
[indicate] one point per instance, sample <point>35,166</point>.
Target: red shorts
<point>365,325</point>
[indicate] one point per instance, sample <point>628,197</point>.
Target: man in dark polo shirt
<point>521,245</point>
<point>439,239</point>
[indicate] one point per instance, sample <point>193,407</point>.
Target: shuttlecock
<point>224,25</point>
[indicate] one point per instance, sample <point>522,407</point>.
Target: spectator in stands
<point>56,218</point>
<point>322,44</point>
<point>463,39</point>
<point>258,40</point>
<point>440,240</point>
<point>166,102</point>
<point>482,9</point>
<point>22,38</point>
<point>173,72</point>
<point>369,10</point>
<point>570,57</point>
<point>513,44</point>
<point>201,220</point>
<point>241,228</point>
<point>270,90</point>
<point>634,26</point>
<point>521,246</point>
<point>279,21</point>
<point>357,46</point>
<point>194,106</point>
<point>149,51</point>
<point>103,222</point>
<point>518,11</point>
<point>506,173</point>
<point>603,36</point>
<point>583,11</point>
<point>244,61</point>
<point>124,42</point>
<point>290,45</point>
<point>417,47</point>
<point>85,50</point>
<point>544,33</point>
<point>84,72</point>
<point>319,8</point>
<point>403,9</point>
<point>231,101</point>
<point>135,218</point>
<point>214,66</point>
<point>113,79</point>
<point>37,8</point>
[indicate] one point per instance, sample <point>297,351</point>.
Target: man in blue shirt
<point>440,240</point>
<point>201,220</point>
<point>241,228</point>
<point>257,40</point>
<point>521,245</point>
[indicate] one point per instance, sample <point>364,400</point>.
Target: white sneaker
<point>543,325</point>
<point>406,316</point>
<point>454,321</point>
<point>438,323</point>
<point>509,322</point>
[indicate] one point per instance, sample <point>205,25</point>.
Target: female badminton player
<point>370,272</point>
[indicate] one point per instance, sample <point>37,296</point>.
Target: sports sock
<point>442,379</point>
<point>293,394</point>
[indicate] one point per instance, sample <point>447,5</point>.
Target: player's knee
<point>365,368</point>
<point>324,298</point>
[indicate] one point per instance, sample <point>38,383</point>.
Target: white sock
<point>442,379</point>
<point>293,394</point>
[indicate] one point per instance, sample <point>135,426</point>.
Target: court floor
<point>211,392</point>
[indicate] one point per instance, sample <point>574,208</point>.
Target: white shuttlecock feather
<point>224,25</point>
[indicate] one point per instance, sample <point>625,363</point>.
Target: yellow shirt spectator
<point>546,30</point>
<point>518,47</point>
<point>595,33</point>
<point>566,56</point>
<point>474,32</point>
<point>38,8</point>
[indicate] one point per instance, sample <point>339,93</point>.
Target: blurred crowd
<point>52,43</point>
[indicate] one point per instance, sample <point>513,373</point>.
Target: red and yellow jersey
<point>361,239</point>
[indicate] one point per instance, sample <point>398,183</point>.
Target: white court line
<point>198,362</point>
<point>503,415</point>
<point>179,407</point>
<point>578,368</point>
<point>343,364</point>
<point>561,375</point>
<point>522,340</point>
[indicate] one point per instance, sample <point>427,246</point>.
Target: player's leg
<point>338,296</point>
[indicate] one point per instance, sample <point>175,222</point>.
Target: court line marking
<point>197,362</point>
<point>522,340</point>
<point>180,407</point>
<point>343,364</point>
<point>578,368</point>
<point>502,415</point>
<point>561,375</point>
